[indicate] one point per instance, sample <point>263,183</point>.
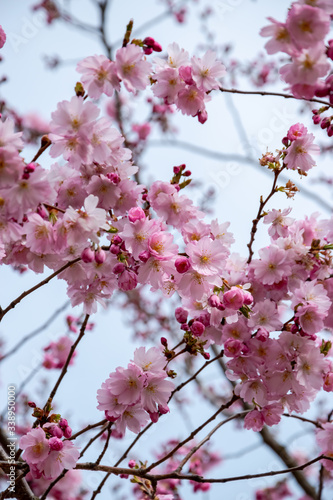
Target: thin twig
<point>39,285</point>
<point>35,332</point>
<point>260,213</point>
<point>64,369</point>
<point>207,438</point>
<point>277,94</point>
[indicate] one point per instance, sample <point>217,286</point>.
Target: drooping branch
<point>34,288</point>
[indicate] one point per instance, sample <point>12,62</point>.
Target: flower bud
<point>88,255</point>
<point>182,264</point>
<point>181,315</point>
<point>136,213</point>
<point>56,444</point>
<point>99,256</point>
<point>197,328</point>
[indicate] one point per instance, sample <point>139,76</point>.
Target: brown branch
<point>35,332</point>
<point>90,426</point>
<point>207,438</point>
<point>303,419</point>
<point>260,214</point>
<point>276,94</point>
<point>64,369</point>
<point>193,433</point>
<point>144,473</point>
<point>39,285</point>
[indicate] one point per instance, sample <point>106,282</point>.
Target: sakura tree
<point>226,332</point>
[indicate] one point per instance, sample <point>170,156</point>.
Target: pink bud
<point>114,249</point>
<point>184,327</point>
<point>262,334</point>
<point>136,213</point>
<point>56,444</point>
<point>157,47</point>
<point>206,355</point>
<point>131,464</point>
<point>182,264</point>
<point>144,256</point>
<point>202,116</point>
<point>154,417</point>
<point>285,141</point>
<point>187,173</point>
<point>67,432</point>
<point>88,255</point>
<point>164,341</point>
<point>214,301</point>
<point>31,404</point>
<point>149,41</point>
<point>127,280</point>
<point>119,268</point>
<point>233,298</point>
<point>148,50</point>
<point>117,240</point>
<point>197,328</point>
<point>316,119</point>
<point>176,170</point>
<point>99,256</point>
<point>30,167</point>
<point>181,315</point>
<point>163,409</point>
<point>325,123</point>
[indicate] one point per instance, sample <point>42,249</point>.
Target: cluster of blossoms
<point>46,453</point>
<point>299,149</point>
<point>132,395</point>
<point>177,80</point>
<point>302,37</point>
<point>203,460</point>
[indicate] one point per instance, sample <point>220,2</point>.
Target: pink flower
<point>273,265</point>
<point>168,84</point>
<point>272,413</point>
<point>161,246</point>
<point>134,418</point>
<point>306,67</point>
<point>58,460</point>
<point>191,100</point>
<point>233,298</point>
<point>299,153</point>
<point>132,68</point>
<point>39,234</point>
<point>296,131</point>
<point>254,420</point>
<point>127,384</point>
<point>281,41</point>
<point>150,361</point>
<point>307,25</point>
<point>98,76</point>
<point>156,391</point>
<point>207,71</point>
<point>207,256</point>
<point>35,445</point>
